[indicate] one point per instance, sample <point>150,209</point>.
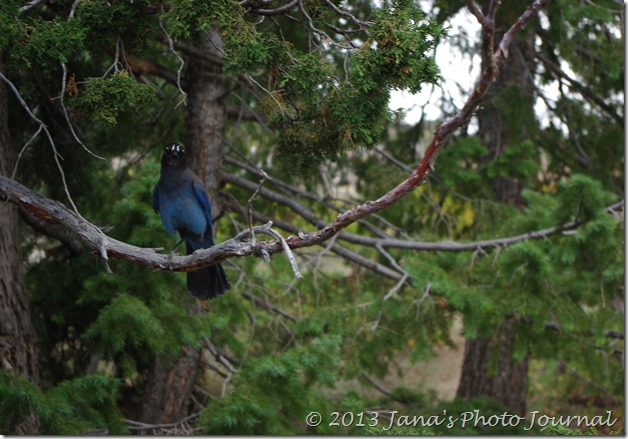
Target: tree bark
<point>168,393</point>
<point>18,351</point>
<point>206,117</point>
<point>508,385</point>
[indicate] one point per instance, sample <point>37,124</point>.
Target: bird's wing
<point>203,200</point>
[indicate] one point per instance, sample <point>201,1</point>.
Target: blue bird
<point>181,200</point>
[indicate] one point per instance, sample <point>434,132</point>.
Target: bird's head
<point>174,157</point>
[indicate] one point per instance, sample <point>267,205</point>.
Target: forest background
<point>502,220</point>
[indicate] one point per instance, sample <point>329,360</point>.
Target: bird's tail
<point>208,282</point>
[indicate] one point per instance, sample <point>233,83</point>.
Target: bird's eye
<point>174,148</point>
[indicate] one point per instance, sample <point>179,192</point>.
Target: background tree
<point>301,90</point>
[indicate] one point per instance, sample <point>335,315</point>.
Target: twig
<point>219,357</point>
<point>397,287</point>
<point>176,54</point>
<point>250,204</point>
<point>19,156</point>
<point>268,307</point>
<point>477,12</point>
<point>372,382</point>
<point>67,116</point>
<point>267,230</point>
<point>136,425</point>
<point>288,252</point>
<point>278,11</point>
<point>31,4</point>
<point>73,8</point>
<point>43,126</point>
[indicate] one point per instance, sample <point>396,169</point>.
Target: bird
<point>182,202</point>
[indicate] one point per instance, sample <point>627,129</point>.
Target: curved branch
<point>418,176</point>
<point>277,11</point>
<point>54,212</point>
<point>107,247</point>
<point>406,244</point>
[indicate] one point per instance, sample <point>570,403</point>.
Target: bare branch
<point>31,4</point>
<point>136,425</point>
<point>337,10</point>
<point>55,212</point>
<point>477,12</point>
<point>397,287</point>
<point>220,357</point>
<point>42,126</point>
<point>441,136</point>
<point>250,203</point>
<point>268,307</point>
<point>67,116</point>
<point>277,11</point>
<point>584,91</point>
<point>181,62</point>
<point>287,251</point>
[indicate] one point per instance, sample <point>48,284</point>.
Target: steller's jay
<point>181,200</point>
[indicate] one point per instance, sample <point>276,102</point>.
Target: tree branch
<point>441,136</point>
<point>277,11</point>
<point>54,212</point>
<point>584,91</point>
<point>98,242</point>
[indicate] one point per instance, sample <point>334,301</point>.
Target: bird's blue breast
<point>180,210</point>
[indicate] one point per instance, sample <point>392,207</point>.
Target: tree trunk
<point>167,396</point>
<point>168,393</point>
<point>206,117</point>
<point>508,385</point>
<point>18,350</point>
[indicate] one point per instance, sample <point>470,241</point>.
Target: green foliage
<point>457,164</point>
<point>275,389</point>
<point>126,320</point>
<point>70,408</point>
<point>519,162</point>
<point>113,23</point>
<point>397,56</point>
<point>582,198</point>
<point>44,44</point>
<point>560,279</point>
<point>190,18</point>
<point>317,115</point>
<point>102,100</point>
